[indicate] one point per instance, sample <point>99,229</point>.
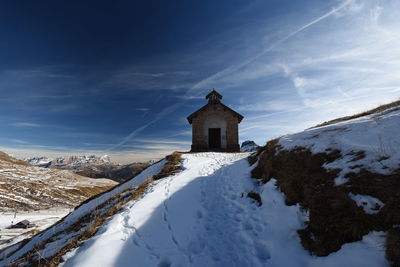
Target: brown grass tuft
<point>357,155</point>
<point>171,167</point>
<point>255,196</point>
<point>252,159</point>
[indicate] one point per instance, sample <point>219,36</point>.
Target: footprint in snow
<point>238,218</point>
<point>259,227</point>
<point>262,250</point>
<point>247,226</point>
<point>202,196</point>
<point>149,247</point>
<point>214,254</point>
<point>175,241</point>
<point>196,246</point>
<point>136,242</point>
<point>164,263</point>
<point>199,214</point>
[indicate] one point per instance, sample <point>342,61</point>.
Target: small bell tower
<point>214,97</point>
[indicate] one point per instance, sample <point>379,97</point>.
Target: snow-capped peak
<point>249,146</point>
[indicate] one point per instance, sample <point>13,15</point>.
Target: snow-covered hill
<point>346,174</point>
<point>370,142</point>
<point>198,217</point>
<point>201,217</point>
<point>328,196</point>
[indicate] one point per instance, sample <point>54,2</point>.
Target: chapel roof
<point>214,99</point>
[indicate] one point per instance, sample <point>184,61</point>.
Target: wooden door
<point>214,137</point>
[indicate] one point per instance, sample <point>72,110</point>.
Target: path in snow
<point>199,217</point>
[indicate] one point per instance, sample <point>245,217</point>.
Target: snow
<point>39,161</point>
<point>377,135</point>
<point>201,217</point>
<point>370,205</point>
<point>42,219</point>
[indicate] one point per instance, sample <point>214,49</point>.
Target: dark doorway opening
<point>214,137</point>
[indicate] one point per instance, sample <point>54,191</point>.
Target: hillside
<point>26,187</point>
<point>346,174</point>
<point>327,196</point>
<point>116,172</point>
<point>92,166</point>
<point>42,196</point>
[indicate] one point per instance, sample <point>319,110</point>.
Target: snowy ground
<point>42,219</point>
<point>199,217</point>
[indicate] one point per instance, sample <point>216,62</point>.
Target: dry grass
<point>334,218</point>
<point>357,155</point>
<point>171,167</point>
<point>395,104</point>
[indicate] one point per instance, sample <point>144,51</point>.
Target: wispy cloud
<point>132,80</point>
<point>143,110</point>
<point>50,96</point>
<point>209,81</point>
<point>47,72</point>
<point>25,124</point>
<point>18,141</point>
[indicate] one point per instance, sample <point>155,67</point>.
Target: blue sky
<point>120,77</point>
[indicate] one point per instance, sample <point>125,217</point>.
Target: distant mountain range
<point>71,160</point>
<point>92,166</point>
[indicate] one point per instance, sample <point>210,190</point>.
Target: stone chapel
<point>215,127</point>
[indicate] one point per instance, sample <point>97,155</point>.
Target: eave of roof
<point>194,114</point>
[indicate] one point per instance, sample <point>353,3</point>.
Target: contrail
<point>158,117</point>
<point>234,68</point>
<point>197,88</point>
